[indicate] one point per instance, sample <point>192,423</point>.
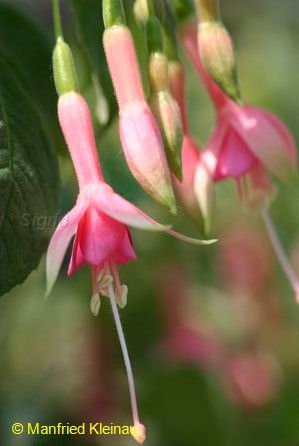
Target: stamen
<point>280,253</point>
<point>103,282</point>
<point>138,432</point>
<point>95,304</point>
<point>121,295</point>
<point>121,291</point>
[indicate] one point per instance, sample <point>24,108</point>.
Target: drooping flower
<point>99,222</point>
<point>247,145</point>
<point>139,132</point>
<point>99,218</point>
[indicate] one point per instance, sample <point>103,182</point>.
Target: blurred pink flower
<point>252,379</point>
<point>184,339</point>
<point>247,143</point>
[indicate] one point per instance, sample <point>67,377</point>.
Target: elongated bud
<point>217,56</point>
<point>166,111</point>
<point>169,119</point>
<point>143,149</point>
<point>141,11</point>
<point>113,13</point>
<point>139,133</point>
<point>158,72</point>
<point>64,69</point>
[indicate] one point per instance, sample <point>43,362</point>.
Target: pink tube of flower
<point>139,133</point>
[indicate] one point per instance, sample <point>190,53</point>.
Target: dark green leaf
<point>28,181</point>
<point>27,46</point>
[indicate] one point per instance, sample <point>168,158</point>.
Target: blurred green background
<point>213,332</point>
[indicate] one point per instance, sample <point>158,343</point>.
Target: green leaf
<point>28,181</point>
<point>28,47</point>
<point>89,28</point>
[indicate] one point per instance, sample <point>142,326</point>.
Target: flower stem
<point>57,19</point>
<point>125,353</point>
<point>208,10</point>
<point>280,253</point>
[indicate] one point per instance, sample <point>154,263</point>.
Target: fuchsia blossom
<point>100,216</point>
<point>99,222</point>
<point>248,143</point>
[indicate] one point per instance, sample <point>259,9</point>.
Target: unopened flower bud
<point>143,149</point>
<point>158,72</point>
<point>218,58</point>
<point>139,133</point>
<point>64,69</point>
<point>141,11</point>
<point>169,119</point>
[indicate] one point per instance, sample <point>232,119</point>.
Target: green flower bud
<point>218,58</point>
<point>168,115</point>
<point>64,69</point>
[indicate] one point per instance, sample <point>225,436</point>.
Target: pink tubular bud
<point>144,152</point>
<point>123,65</point>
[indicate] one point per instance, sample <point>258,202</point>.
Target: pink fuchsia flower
<point>139,133</point>
<point>100,216</point>
<point>99,222</point>
<point>195,189</point>
<point>248,143</point>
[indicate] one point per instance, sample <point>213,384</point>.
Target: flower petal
<point>268,139</point>
<point>120,209</point>
<point>99,236</point>
<point>60,241</point>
